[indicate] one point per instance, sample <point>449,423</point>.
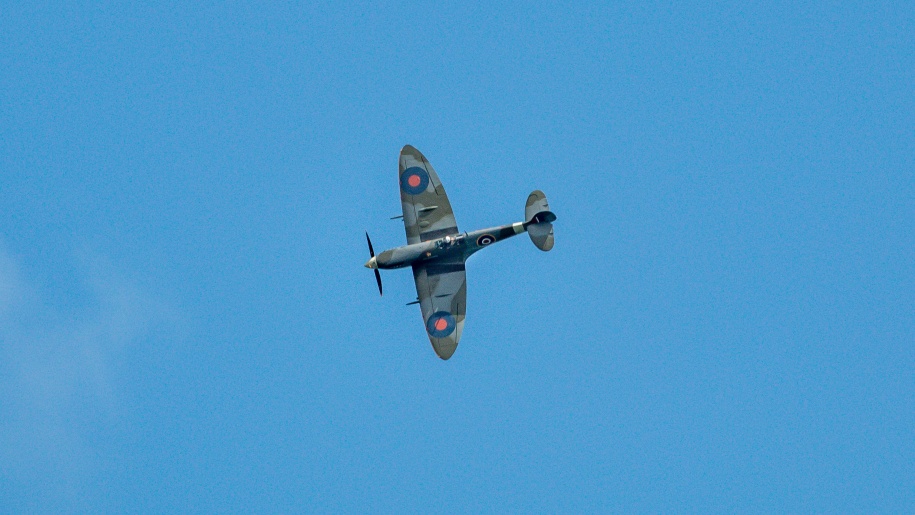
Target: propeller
<point>377,274</point>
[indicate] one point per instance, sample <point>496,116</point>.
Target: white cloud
<point>62,369</point>
<point>11,287</point>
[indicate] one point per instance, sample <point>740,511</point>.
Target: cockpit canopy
<point>450,241</point>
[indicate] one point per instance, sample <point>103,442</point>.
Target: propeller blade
<point>371,250</point>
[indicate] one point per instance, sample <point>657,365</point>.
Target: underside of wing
<point>427,214</point>
<point>442,291</point>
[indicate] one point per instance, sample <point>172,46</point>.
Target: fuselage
<point>454,247</point>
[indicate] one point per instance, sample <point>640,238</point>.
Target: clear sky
<point>726,323</point>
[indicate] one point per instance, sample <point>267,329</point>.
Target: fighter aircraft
<point>437,250</point>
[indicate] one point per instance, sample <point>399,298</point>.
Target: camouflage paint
<point>541,232</point>
<point>437,251</point>
<point>427,213</point>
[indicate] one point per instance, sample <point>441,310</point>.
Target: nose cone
<point>372,263</point>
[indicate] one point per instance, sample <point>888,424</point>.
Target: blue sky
<point>725,324</point>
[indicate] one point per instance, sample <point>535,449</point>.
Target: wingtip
<point>445,347</point>
<point>410,150</point>
<point>445,352</point>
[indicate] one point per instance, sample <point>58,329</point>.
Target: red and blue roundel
<point>485,240</point>
<point>440,324</point>
<point>414,181</point>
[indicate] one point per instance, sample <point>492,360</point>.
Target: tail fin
<point>539,220</point>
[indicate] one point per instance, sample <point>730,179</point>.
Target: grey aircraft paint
<point>436,250</point>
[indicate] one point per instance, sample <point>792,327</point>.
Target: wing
<point>442,291</point>
<point>427,214</point>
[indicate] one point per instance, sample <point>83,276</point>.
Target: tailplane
<point>539,220</point>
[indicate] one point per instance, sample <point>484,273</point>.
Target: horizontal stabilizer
<point>538,220</point>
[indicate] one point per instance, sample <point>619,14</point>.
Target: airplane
<point>437,250</point>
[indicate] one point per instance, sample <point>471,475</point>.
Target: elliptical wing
<point>442,291</point>
<point>427,213</point>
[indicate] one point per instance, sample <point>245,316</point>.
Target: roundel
<point>485,239</point>
<point>440,324</point>
<point>414,180</point>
